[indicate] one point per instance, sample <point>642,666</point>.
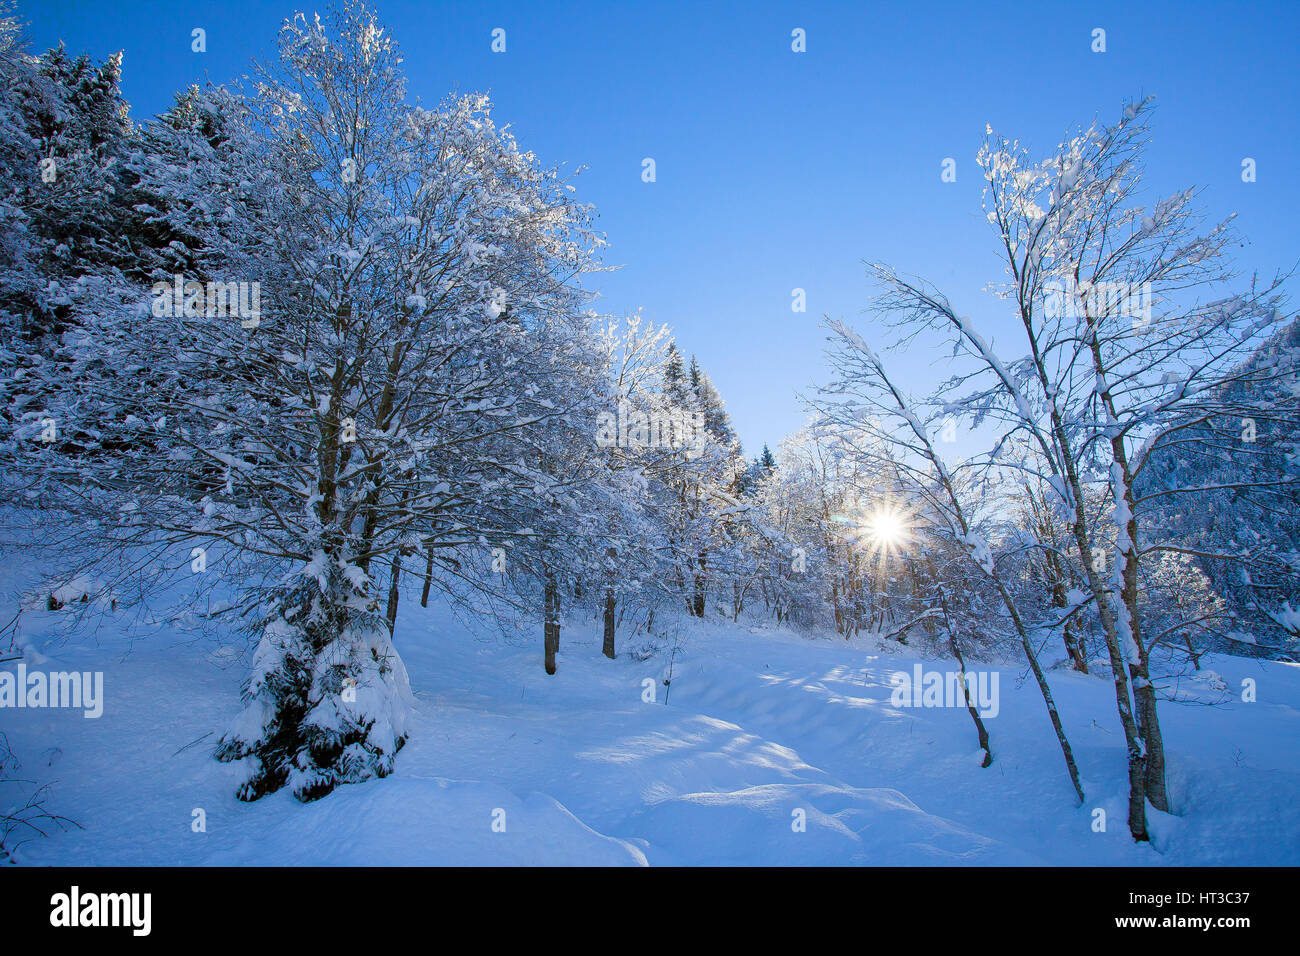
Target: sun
<point>883,530</point>
<point>886,529</point>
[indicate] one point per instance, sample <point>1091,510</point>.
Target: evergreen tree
<point>674,380</point>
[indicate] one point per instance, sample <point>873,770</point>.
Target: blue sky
<point>778,170</point>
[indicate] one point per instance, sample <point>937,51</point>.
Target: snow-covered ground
<point>759,724</point>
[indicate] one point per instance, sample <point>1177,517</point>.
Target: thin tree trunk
<point>551,622</point>
<point>1137,809</point>
<point>428,578</point>
<point>697,607</point>
<point>1145,694</point>
<point>394,591</point>
<point>835,606</point>
<point>980,731</point>
<point>611,556</point>
<point>1044,689</point>
<point>608,648</point>
<point>1060,600</point>
<point>1128,622</point>
<point>1137,805</point>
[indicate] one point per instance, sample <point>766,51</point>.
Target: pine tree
<point>673,377</point>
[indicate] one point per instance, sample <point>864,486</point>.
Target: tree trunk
<point>1137,808</point>
<point>1128,621</point>
<point>551,622</point>
<point>608,648</point>
<point>1060,600</point>
<point>980,730</point>
<point>611,558</point>
<point>1137,799</point>
<point>835,606</point>
<point>1041,679</point>
<point>428,578</point>
<point>1074,647</point>
<point>394,591</point>
<point>1145,696</point>
<point>697,606</point>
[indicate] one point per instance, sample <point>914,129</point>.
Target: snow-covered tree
<point>1131,331</point>
<point>408,299</point>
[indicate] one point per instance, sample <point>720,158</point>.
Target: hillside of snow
<point>761,729</point>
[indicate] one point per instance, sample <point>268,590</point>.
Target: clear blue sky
<point>778,169</point>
